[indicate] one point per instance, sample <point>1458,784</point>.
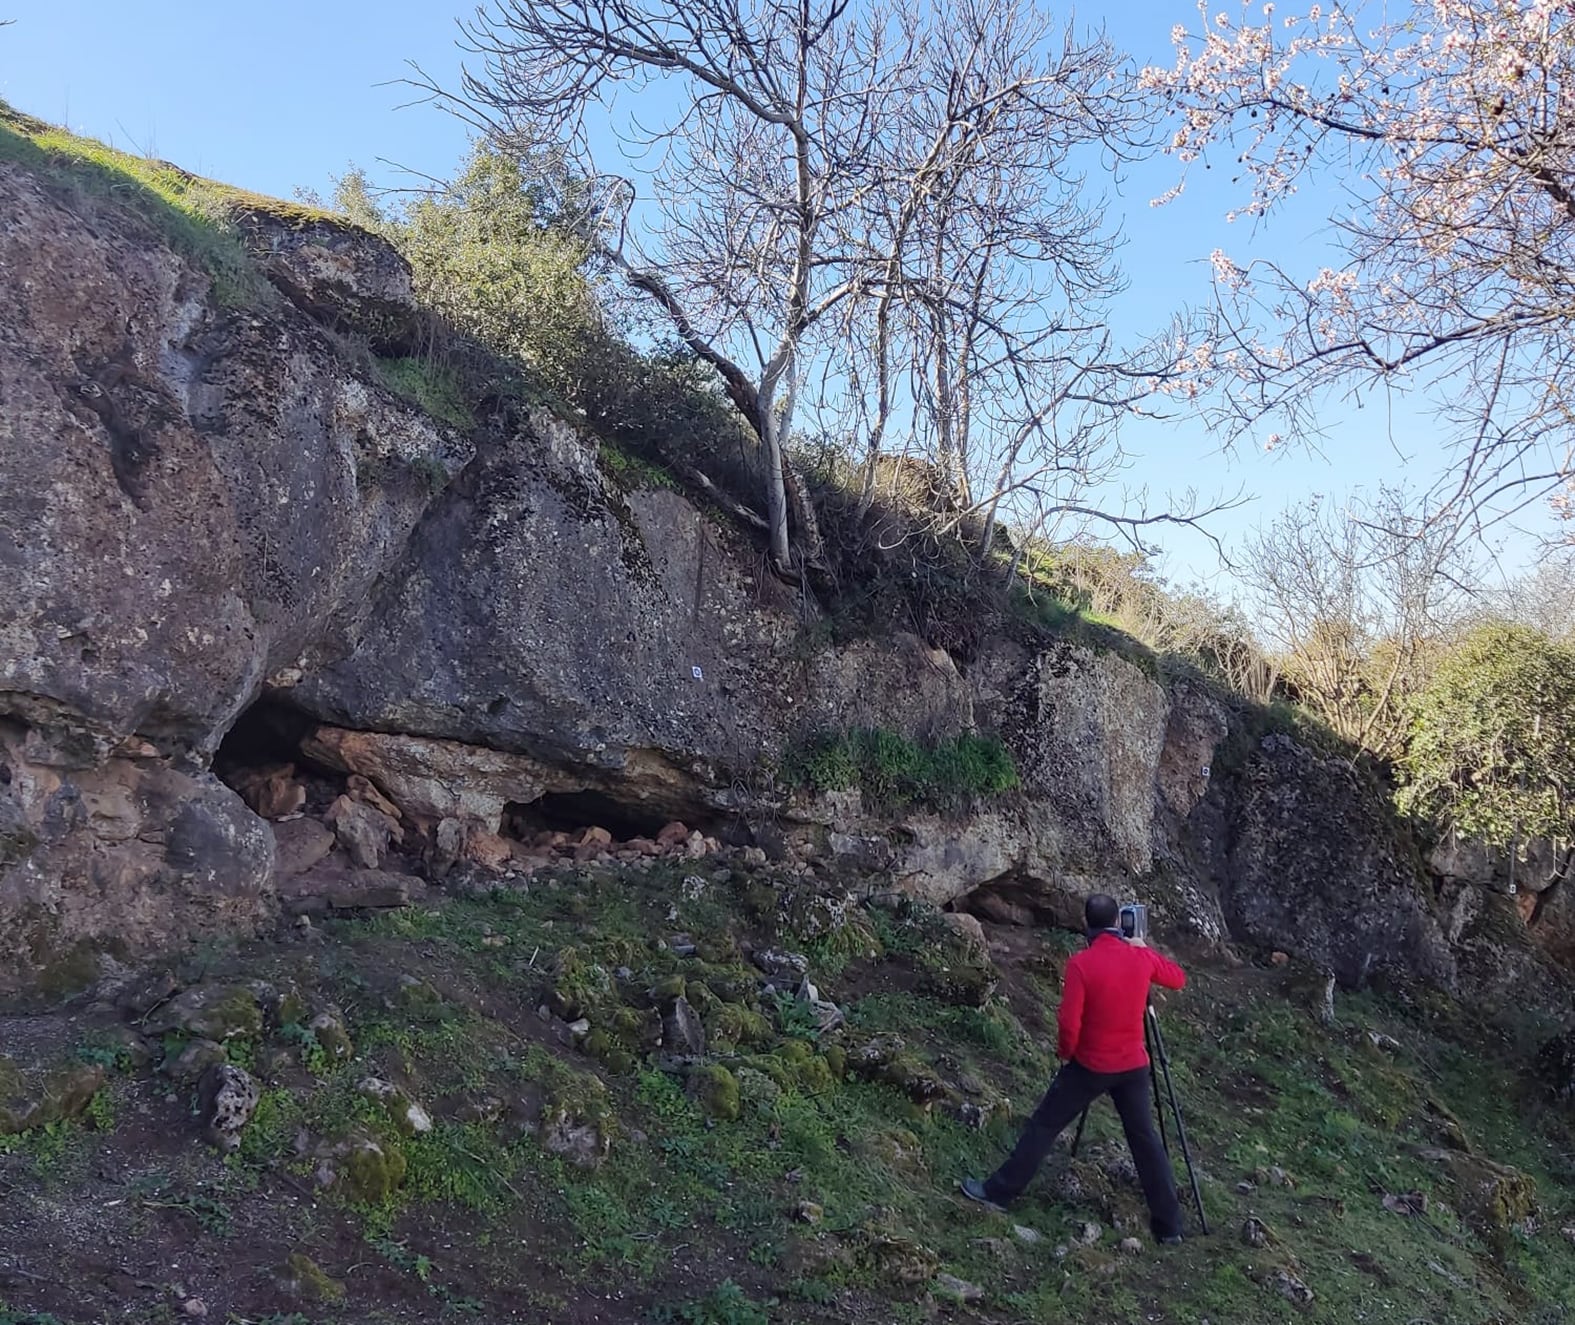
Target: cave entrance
<point>264,737</point>
<point>266,733</point>
<point>570,811</point>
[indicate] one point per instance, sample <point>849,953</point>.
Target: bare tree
<point>1357,599</point>
<point>875,209</point>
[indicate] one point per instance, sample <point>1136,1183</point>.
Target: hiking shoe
<point>973,1189</point>
<point>1170,1240</point>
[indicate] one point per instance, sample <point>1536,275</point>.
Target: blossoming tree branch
<point>1444,134</point>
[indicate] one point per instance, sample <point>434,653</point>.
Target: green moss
<point>732,1025</point>
<point>373,1170</point>
<point>716,1090</point>
<point>893,771</point>
<point>815,1076</point>
<point>631,471</point>
<point>794,1051</point>
<point>308,1280</point>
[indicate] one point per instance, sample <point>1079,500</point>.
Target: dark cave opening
<point>570,811</point>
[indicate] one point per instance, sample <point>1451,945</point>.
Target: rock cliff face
<point>208,505</point>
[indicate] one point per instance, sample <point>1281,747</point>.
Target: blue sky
<point>285,96</point>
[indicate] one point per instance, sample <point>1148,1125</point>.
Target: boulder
<point>227,1097</point>
<point>211,1012</point>
<point>342,276</point>
<point>430,779</point>
<point>683,1033</point>
<point>121,856</point>
<point>327,888</point>
<point>1343,890</point>
<point>363,833</point>
<point>299,844</point>
<point>45,1094</point>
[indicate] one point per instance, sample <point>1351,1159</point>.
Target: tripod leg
<point>1181,1129</point>
<point>1077,1138</point>
<point>1153,1077</point>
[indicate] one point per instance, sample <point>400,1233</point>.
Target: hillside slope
<point>1399,1163</point>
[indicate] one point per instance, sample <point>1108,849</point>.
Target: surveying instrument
<point>1155,1042</point>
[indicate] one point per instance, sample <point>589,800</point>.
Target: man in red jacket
<point>1104,997</point>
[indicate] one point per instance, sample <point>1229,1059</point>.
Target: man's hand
<point>1138,941</point>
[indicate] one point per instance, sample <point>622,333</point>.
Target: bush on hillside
<point>1491,753</point>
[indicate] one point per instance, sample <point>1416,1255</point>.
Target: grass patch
<point>434,388</point>
<point>632,471</point>
<point>195,216</point>
<point>893,771</point>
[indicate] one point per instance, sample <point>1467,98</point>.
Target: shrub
<point>893,771</point>
<point>1492,745</point>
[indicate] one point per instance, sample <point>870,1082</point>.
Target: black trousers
<point>1072,1091</point>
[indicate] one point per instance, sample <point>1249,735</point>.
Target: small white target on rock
<point>697,673</point>
<point>1205,770</point>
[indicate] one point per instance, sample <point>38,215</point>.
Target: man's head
<point>1100,912</point>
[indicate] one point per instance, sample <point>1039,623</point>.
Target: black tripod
<point>1156,1051</point>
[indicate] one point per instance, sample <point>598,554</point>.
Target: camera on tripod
<point>1133,921</point>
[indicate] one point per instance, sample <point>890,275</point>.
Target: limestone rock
<point>299,844</point>
<point>271,791</point>
<point>85,849</point>
<point>1291,1287</point>
<point>361,831</point>
<point>431,779</point>
<point>406,1114</point>
<point>193,495</point>
<point>190,1063</point>
<point>305,1279</point>
<point>949,1285</point>
<point>227,1097</point>
<point>46,1095</point>
<point>1493,1197</point>
<point>327,888</point>
<point>209,1011</point>
<point>683,1033</point>
<point>339,274</point>
<point>487,849</point>
<point>329,1029</point>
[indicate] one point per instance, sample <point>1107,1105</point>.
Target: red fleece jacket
<point>1103,997</point>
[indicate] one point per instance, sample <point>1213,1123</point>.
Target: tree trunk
<point>776,491</point>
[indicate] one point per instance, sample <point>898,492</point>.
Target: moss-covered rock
<point>1493,1198</point>
<point>715,1089</point>
<point>185,1062</point>
<point>371,1170</point>
<point>210,1012</point>
<point>48,1097</point>
<point>305,1279</point>
<point>329,1030</point>
<point>732,1025</point>
<point>899,1260</point>
<point>580,985</point>
<point>815,1076</point>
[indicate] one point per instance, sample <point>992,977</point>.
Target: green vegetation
<point>893,771</point>
<point>1491,753</point>
<point>196,216</point>
<point>727,1304</point>
<point>797,1171</point>
<point>431,386</point>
